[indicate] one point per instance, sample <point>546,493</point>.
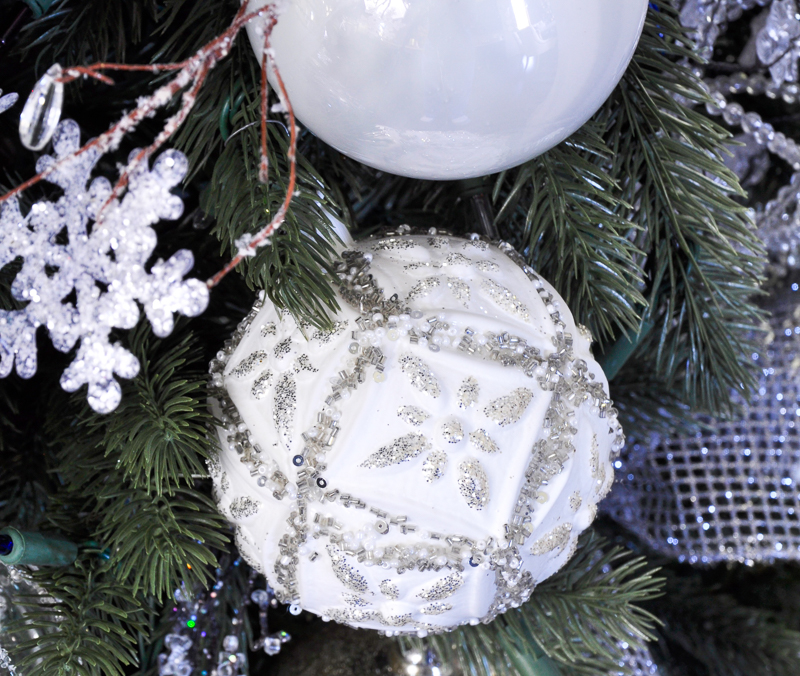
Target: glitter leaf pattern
<point>555,539</point>
<point>473,484</point>
<point>389,589</point>
<point>505,299</point>
<point>423,288</point>
<point>509,409</point>
<point>442,588</point>
<point>436,608</point>
<point>401,449</point>
<point>413,415</point>
<point>459,289</point>
<point>345,573</point>
<point>248,364</point>
<point>260,384</point>
<point>452,432</point>
<point>468,392</point>
<point>243,507</point>
<point>483,441</point>
<point>420,375</point>
<point>285,405</point>
<point>434,466</point>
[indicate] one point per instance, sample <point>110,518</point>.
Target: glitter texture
<point>505,299</point>
<point>436,608</point>
<point>420,375</point>
<point>468,392</point>
<point>473,484</point>
<point>423,288</point>
<point>509,409</point>
<point>487,266</point>
<point>105,268</point>
<point>457,259</point>
<point>459,289</point>
<point>483,441</point>
<point>268,329</point>
<point>355,601</point>
<point>244,507</point>
<point>434,466</point>
<point>303,363</point>
<point>248,364</point>
<point>452,432</point>
<point>443,588</point>
<point>345,573</point>
<point>261,384</point>
<point>413,415</point>
<point>400,450</point>
<point>283,348</point>
<point>555,539</point>
<point>389,589</point>
<point>285,405</point>
<point>575,501</point>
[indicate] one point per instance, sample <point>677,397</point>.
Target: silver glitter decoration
<point>394,244</point>
<point>413,415</point>
<point>283,348</point>
<point>244,507</point>
<point>436,608</point>
<point>505,299</point>
<point>442,588</point>
<point>401,449</point>
<point>420,374</point>
<point>575,501</point>
<point>459,289</point>
<point>248,364</point>
<point>473,484</point>
<point>260,384</point>
<point>487,266</point>
<point>457,259</point>
<point>434,466</point>
<point>483,441</point>
<point>303,363</point>
<point>105,266</point>
<point>224,482</point>
<point>285,405</point>
<point>355,601</point>
<point>452,432</point>
<point>268,329</point>
<point>509,409</point>
<point>558,538</point>
<point>478,244</point>
<point>324,337</point>
<point>468,392</point>
<point>346,574</point>
<point>423,288</point>
<point>389,589</point>
<point>395,620</point>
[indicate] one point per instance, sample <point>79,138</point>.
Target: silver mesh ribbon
<point>730,493</point>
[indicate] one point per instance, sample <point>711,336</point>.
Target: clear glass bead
<point>42,110</point>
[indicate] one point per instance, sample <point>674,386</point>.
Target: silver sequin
<point>473,483</point>
<point>434,466</point>
<point>509,409</point>
<point>260,384</point>
<point>504,298</point>
<point>452,431</point>
<point>248,364</point>
<point>443,588</point>
<point>346,574</point>
<point>420,374</point>
<point>483,441</point>
<point>468,392</point>
<point>555,539</point>
<point>401,449</point>
<point>413,415</point>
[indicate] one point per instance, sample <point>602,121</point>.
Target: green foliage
<point>576,618</point>
<point>704,263</point>
<point>565,212</point>
<point>86,626</point>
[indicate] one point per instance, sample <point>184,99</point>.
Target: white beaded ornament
<point>429,461</point>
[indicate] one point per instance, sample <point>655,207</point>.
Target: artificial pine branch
<point>577,617</point>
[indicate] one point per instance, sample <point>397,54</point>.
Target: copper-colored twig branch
<point>191,72</point>
<point>250,245</point>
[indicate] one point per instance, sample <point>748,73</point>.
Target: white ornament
<point>82,281</point>
<point>442,493</point>
<point>7,100</point>
<point>445,90</point>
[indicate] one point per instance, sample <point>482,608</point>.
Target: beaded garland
<point>499,444</point>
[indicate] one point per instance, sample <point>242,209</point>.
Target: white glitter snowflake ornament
<point>81,278</point>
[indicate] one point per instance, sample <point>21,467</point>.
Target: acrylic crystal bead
<point>42,110</point>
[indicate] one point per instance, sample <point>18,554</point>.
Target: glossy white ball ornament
<point>439,89</point>
<point>429,461</point>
